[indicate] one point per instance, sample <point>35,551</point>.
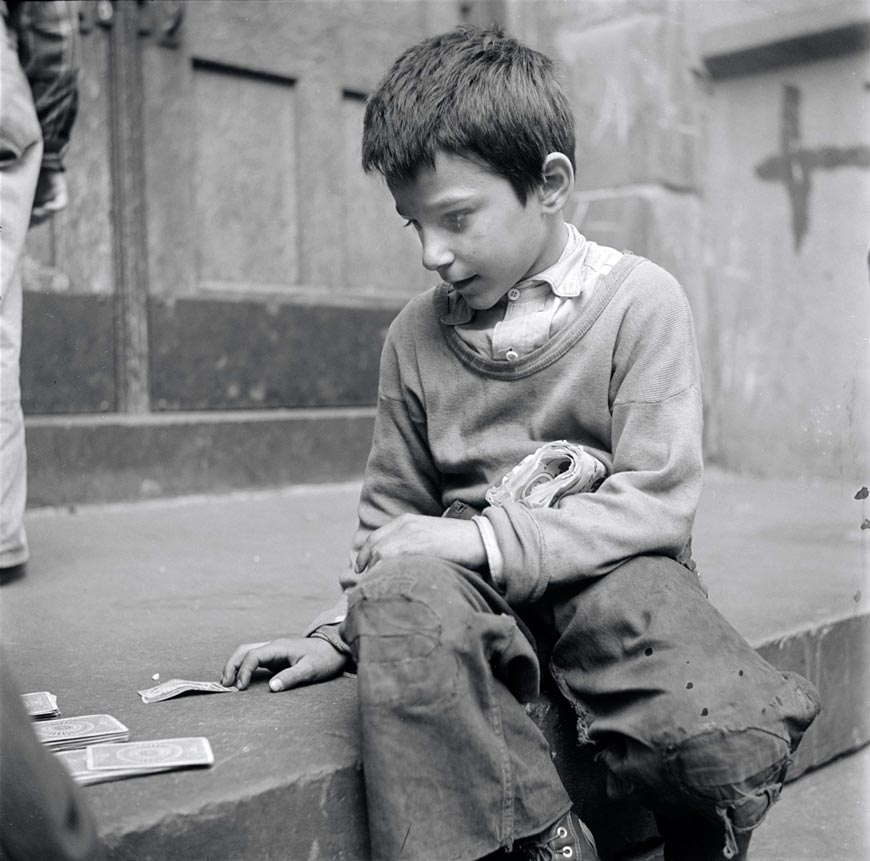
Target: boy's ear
<point>557,182</point>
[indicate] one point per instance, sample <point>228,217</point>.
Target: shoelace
<point>545,849</point>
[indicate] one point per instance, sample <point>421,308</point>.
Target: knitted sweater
<point>622,379</point>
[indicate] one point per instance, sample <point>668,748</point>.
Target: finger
<point>368,553</point>
<point>232,665</point>
<point>365,555</point>
<point>303,672</point>
<point>266,655</point>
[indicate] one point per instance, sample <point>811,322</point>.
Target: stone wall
<point>730,142</point>
<point>205,266</point>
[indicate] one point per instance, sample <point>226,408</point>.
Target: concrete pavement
<point>116,594</point>
<point>824,816</point>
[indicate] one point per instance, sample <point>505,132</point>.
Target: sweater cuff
<point>332,635</point>
<point>333,616</point>
<point>494,558</point>
<point>519,538</point>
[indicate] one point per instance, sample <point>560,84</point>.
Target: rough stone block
<point>634,100</point>
<point>663,225</point>
<point>836,658</point>
<point>220,354</point>
<point>67,354</point>
<point>110,459</point>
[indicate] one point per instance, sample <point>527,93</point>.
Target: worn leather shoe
<point>567,838</point>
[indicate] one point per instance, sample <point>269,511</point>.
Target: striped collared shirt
<point>534,310</point>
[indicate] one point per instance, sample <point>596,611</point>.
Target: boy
<point>548,387</point>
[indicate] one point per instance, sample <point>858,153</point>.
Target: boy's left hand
<point>416,534</point>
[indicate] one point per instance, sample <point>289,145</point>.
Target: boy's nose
<point>436,253</point>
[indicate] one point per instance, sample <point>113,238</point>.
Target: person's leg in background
<point>20,161</point>
<point>686,713</point>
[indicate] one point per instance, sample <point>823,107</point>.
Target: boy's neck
<point>554,247</point>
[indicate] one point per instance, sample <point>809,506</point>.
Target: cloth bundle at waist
<point>555,470</point>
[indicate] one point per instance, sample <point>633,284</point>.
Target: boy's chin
<point>484,302</point>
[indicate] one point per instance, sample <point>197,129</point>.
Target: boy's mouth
<point>465,282</point>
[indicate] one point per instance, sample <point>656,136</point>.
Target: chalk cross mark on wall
<point>794,164</point>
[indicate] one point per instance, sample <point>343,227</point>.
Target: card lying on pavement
<point>40,704</point>
<point>158,754</point>
<point>174,687</point>
<point>73,732</point>
<point>76,764</point>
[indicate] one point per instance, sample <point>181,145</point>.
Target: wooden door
<point>223,249</point>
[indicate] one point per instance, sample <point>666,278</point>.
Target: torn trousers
<point>684,711</point>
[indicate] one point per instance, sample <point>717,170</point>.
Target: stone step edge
<point>832,655</point>
<point>835,656</point>
<point>75,460</point>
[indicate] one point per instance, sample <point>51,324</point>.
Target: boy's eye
<point>412,224</point>
<point>455,220</point>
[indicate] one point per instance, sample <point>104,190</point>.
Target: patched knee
<point>396,630</point>
<point>716,770</point>
<point>723,757</point>
<point>391,603</point>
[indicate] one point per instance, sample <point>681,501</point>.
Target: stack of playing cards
<point>40,704</point>
<point>73,732</point>
<point>102,762</point>
<point>174,687</point>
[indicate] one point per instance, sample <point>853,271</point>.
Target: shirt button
<point>513,294</point>
<point>512,355</point>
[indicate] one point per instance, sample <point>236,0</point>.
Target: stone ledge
<point>317,811</point>
<point>117,592</point>
<point>90,459</point>
<point>834,657</point>
<point>763,43</point>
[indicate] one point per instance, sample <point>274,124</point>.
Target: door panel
<point>222,248</point>
<point>68,356</point>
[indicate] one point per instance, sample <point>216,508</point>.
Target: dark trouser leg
<point>686,712</point>
<point>691,836</point>
<point>454,768</point>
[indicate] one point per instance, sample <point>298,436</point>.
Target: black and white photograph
<point>435,430</point>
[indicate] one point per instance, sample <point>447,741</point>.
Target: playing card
<point>76,764</point>
<point>160,753</point>
<point>175,687</point>
<point>72,732</point>
<point>74,761</point>
<point>40,704</point>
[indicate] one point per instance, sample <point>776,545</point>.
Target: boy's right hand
<point>299,661</point>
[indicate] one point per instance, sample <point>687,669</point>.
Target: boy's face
<point>474,231</point>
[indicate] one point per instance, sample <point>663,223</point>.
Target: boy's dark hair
<point>471,92</point>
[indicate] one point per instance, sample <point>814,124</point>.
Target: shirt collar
<point>564,277</point>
